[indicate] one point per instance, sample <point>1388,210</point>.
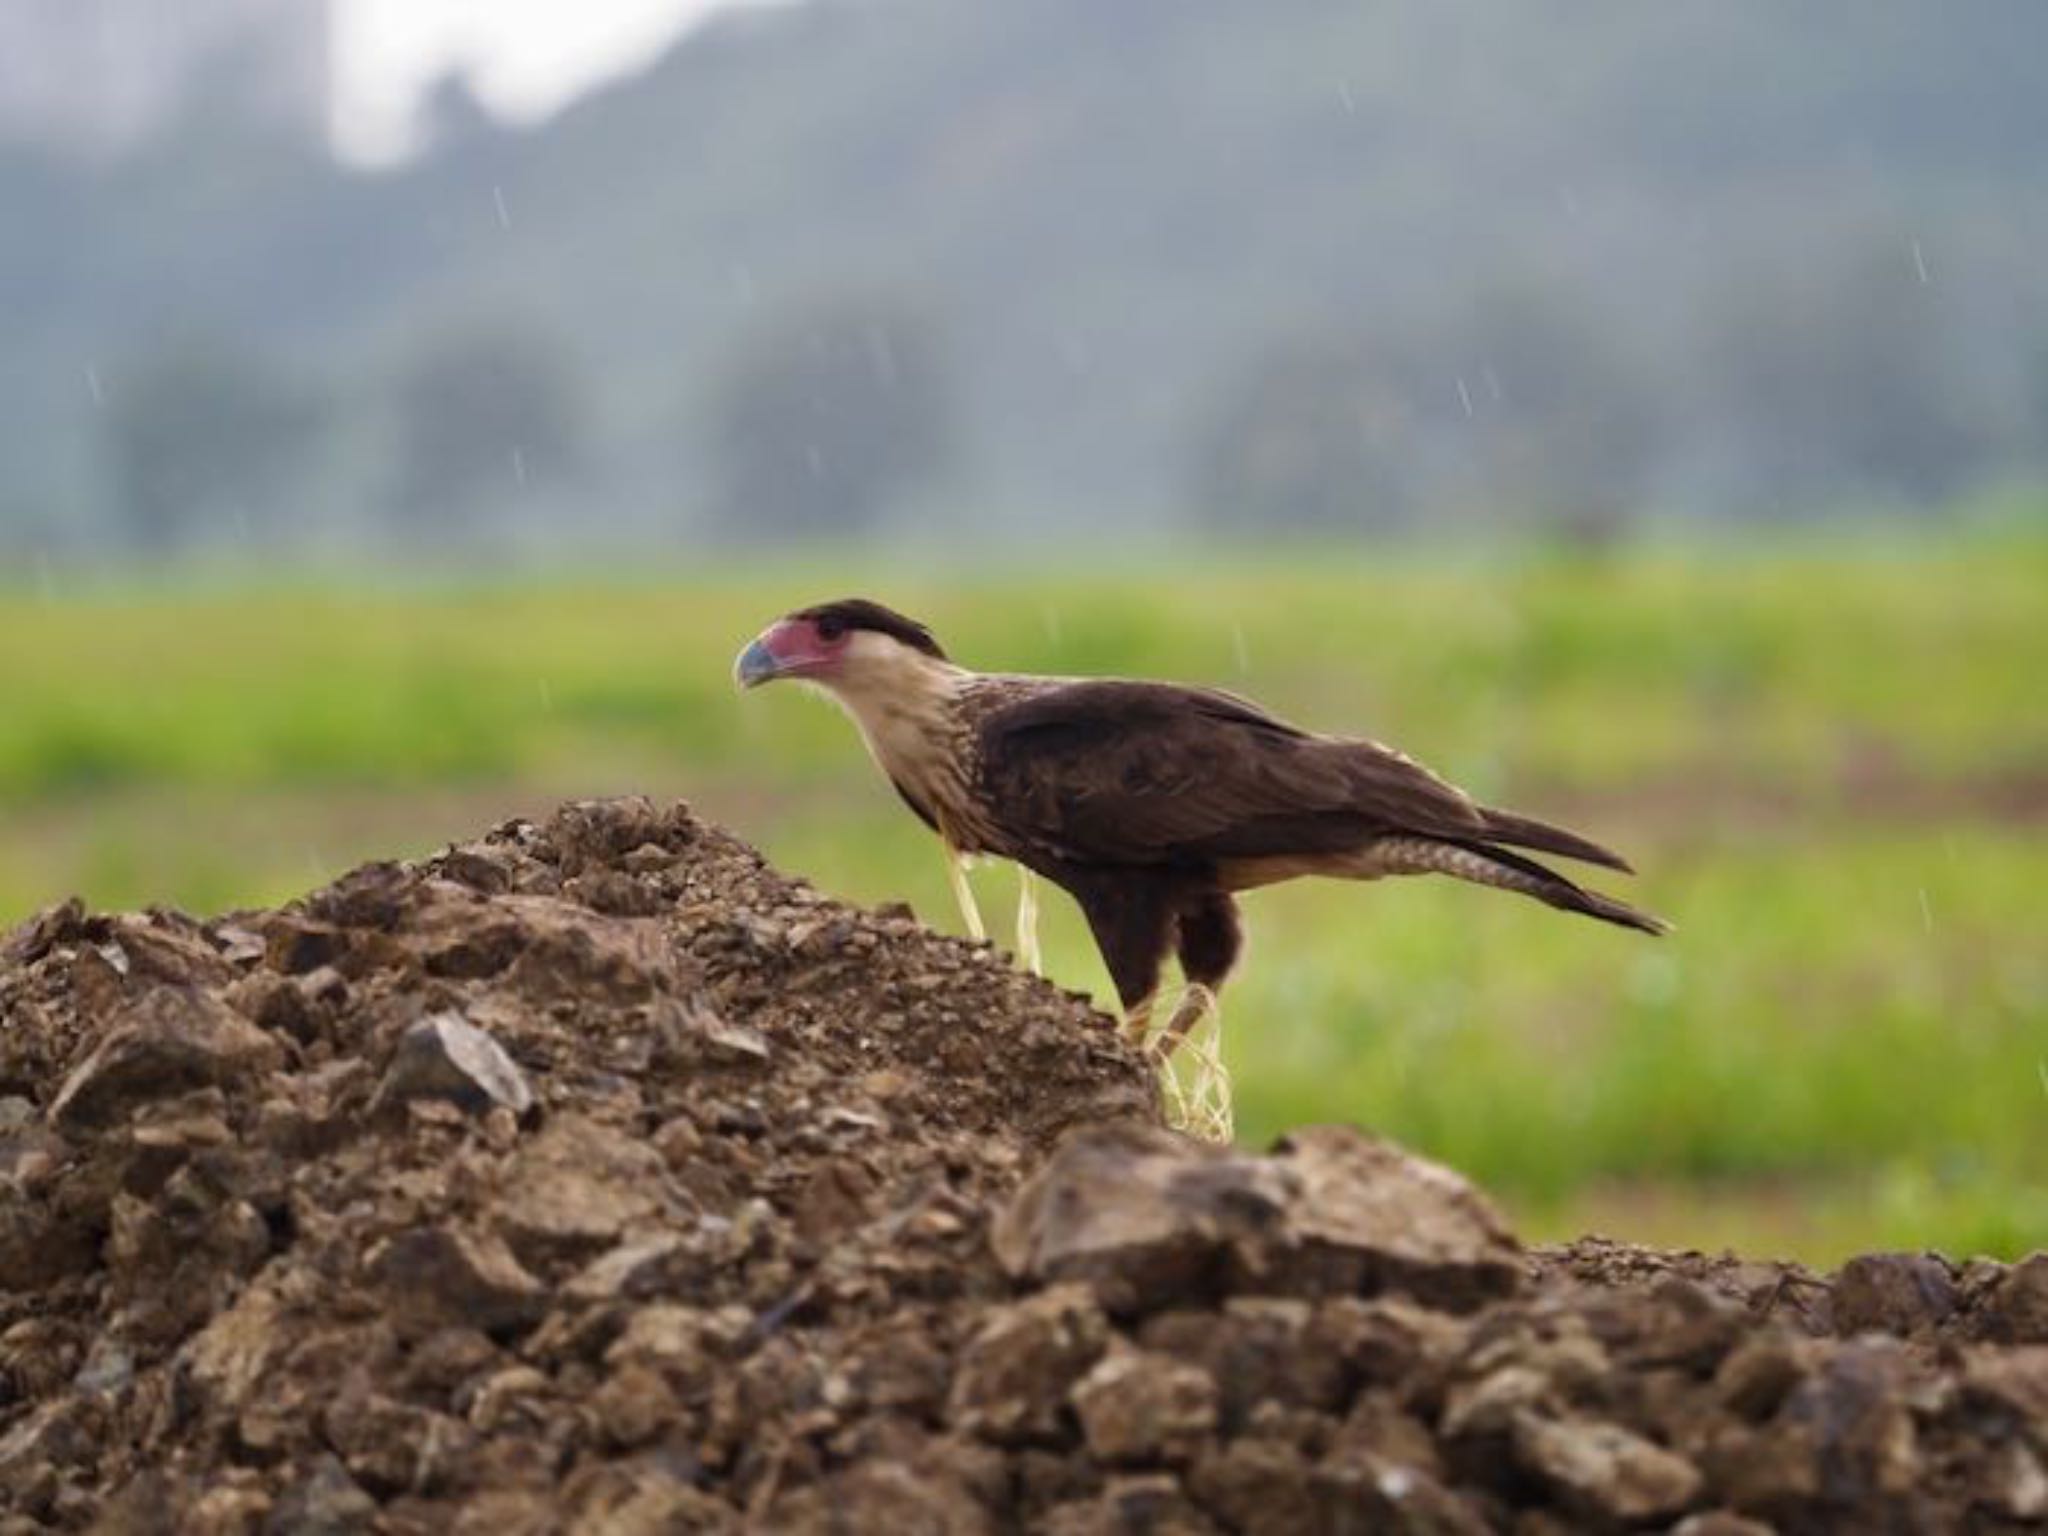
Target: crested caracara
<point>1151,804</point>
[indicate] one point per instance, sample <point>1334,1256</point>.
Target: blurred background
<point>407,407</point>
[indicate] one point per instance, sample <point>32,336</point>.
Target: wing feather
<point>1151,773</point>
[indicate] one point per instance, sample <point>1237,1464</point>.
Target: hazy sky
<point>526,56</point>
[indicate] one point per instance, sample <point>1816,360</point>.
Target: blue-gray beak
<point>756,665</point>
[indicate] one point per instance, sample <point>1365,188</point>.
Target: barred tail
<point>1485,864</point>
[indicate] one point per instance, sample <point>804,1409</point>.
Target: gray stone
<point>446,1057</point>
<point>1147,1218</point>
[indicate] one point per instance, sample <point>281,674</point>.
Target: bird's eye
<point>831,628</point>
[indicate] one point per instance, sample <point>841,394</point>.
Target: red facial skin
<point>788,648</point>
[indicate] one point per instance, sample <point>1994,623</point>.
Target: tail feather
<point>1527,832</point>
<point>1486,864</point>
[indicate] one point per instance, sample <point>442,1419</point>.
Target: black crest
<point>860,613</point>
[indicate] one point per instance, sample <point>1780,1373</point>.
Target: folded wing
<point>1132,773</point>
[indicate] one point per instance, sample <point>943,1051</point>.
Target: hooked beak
<point>756,665</point>
<point>786,649</point>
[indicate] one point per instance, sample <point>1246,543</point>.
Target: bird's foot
<point>1027,922</point>
<point>1189,1060</point>
<point>963,893</point>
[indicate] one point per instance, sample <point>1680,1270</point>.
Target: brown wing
<point>1148,773</point>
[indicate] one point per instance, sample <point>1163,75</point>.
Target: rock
<point>169,1041</point>
<point>446,1057</point>
<point>575,1188</point>
<point>296,945</point>
<point>1371,1217</point>
<point>1841,1448</point>
<point>326,1502</point>
<point>1143,1216</point>
<point>682,1340</point>
<point>615,893</point>
<point>1016,1372</point>
<point>1680,1324</point>
<point>29,941</point>
<point>1758,1375</point>
<point>1488,1404</point>
<point>632,1269</point>
<point>882,1496</point>
<point>1898,1293</point>
<point>229,1508</point>
<point>2009,1384</point>
<point>108,1371</point>
<point>1719,1522</point>
<point>234,1355</point>
<point>240,947</point>
<point>61,1433</point>
<point>1379,1493</point>
<point>440,1275</point>
<point>164,948</point>
<point>1380,1428</point>
<point>1385,1341</point>
<point>482,866</point>
<point>901,1369</point>
<point>1130,1506</point>
<point>491,1403</point>
<point>634,1406</point>
<point>1136,1406</point>
<point>29,1153</point>
<point>1602,1469</point>
<point>390,1447</point>
<point>649,1495</point>
<point>1258,1349</point>
<point>2016,1311</point>
<point>2016,1483</point>
<point>1260,1487</point>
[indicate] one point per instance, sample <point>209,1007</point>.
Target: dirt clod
<point>1136,1406</point>
<point>594,1177</point>
<point>1901,1293</point>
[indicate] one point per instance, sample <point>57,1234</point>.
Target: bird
<point>1154,805</point>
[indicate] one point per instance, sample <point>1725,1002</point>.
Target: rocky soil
<point>595,1177</point>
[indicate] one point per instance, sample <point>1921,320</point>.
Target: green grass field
<point>1831,765</point>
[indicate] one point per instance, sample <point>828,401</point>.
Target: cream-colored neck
<point>902,701</point>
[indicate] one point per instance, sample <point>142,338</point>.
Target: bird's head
<point>850,647</point>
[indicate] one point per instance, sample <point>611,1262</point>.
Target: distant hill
<point>1158,261</point>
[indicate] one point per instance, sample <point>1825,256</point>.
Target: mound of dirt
<point>595,1177</point>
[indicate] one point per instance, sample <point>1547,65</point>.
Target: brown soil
<point>595,1177</point>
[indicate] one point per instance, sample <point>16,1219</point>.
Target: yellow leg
<point>963,893</point>
<point>1027,921</point>
<point>1138,1018</point>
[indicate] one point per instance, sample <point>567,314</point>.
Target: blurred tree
<point>826,417</point>
<point>484,415</point>
<point>204,437</point>
<point>1513,409</point>
<point>1564,429</point>
<point>1833,382</point>
<point>1315,435</point>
